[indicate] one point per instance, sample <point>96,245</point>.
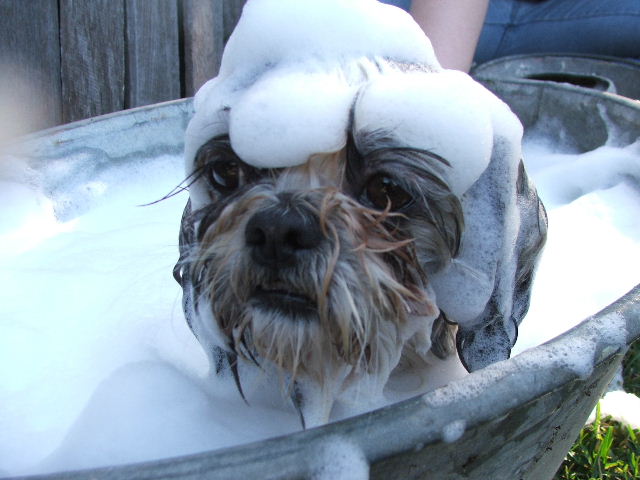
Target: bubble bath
<point>97,364</point>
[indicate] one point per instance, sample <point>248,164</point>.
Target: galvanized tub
<point>610,74</point>
<point>512,420</point>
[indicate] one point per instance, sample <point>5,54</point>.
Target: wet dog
<point>327,262</point>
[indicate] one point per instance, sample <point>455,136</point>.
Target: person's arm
<point>453,26</point>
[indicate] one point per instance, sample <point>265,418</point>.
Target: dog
<point>354,209</point>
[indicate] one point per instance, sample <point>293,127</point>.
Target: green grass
<point>631,369</point>
<point>607,449</point>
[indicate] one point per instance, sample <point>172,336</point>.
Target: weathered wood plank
<point>203,30</point>
<point>153,62</point>
<point>92,57</point>
<point>106,55</point>
<point>29,64</point>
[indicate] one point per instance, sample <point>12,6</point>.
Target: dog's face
<point>323,265</point>
<point>337,204</point>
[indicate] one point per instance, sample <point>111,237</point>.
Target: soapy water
<point>592,253</point>
<point>98,367</point>
<point>338,459</point>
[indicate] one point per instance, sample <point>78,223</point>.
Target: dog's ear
<point>486,289</point>
<point>519,225</point>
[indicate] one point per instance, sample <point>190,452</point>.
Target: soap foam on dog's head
<point>288,84</point>
<point>284,62</point>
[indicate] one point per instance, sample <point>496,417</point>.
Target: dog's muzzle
<point>280,234</point>
<point>278,238</point>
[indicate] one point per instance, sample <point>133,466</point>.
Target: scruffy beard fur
<point>305,275</point>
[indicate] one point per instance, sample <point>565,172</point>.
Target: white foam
<point>453,431</point>
<point>29,221</point>
<point>291,73</point>
<point>621,406</point>
<point>305,103</point>
<point>92,337</point>
<point>324,29</point>
<point>592,254</point>
<point>430,111</point>
<point>93,296</point>
<point>156,410</point>
<point>562,178</point>
<point>466,389</point>
<point>84,308</point>
<point>300,61</point>
<point>338,459</point>
<point>576,356</point>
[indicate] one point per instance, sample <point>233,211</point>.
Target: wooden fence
<point>90,57</point>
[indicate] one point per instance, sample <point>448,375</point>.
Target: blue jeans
<point>598,27</point>
<point>403,4</point>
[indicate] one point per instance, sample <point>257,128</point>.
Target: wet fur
<point>367,282</point>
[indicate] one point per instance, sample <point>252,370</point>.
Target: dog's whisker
<point>180,188</point>
<point>331,265</point>
<point>297,351</point>
<point>358,324</point>
<point>374,245</point>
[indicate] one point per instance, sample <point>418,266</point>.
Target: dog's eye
<point>382,191</point>
<point>225,174</point>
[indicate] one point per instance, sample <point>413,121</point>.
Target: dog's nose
<point>276,236</point>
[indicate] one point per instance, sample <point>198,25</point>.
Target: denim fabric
<point>597,27</point>
<point>600,27</point>
<point>403,4</point>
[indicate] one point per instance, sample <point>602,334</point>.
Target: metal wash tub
<point>610,74</point>
<point>512,420</point>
